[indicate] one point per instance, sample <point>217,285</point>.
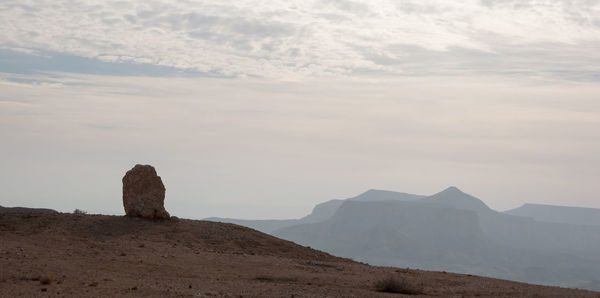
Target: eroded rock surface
<point>144,193</point>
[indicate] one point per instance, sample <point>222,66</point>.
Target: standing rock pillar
<point>144,193</point>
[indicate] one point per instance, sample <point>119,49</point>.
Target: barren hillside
<point>45,253</point>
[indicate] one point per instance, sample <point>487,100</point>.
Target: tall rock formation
<point>144,193</point>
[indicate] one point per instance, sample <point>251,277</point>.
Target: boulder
<point>144,193</point>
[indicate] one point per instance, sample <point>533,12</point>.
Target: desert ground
<point>44,253</point>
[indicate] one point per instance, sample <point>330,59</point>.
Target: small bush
<point>392,284</point>
<point>45,280</point>
<point>79,212</point>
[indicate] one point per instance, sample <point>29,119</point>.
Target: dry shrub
<point>45,280</point>
<point>393,284</point>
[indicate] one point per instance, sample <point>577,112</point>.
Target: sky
<point>262,109</point>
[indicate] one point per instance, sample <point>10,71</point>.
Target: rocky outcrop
<point>144,193</point>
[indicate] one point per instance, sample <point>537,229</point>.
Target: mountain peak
<point>452,189</point>
<point>385,195</point>
<point>454,197</point>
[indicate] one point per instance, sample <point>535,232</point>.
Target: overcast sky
<point>260,109</point>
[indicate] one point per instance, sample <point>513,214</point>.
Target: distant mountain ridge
<point>455,198</point>
<point>379,231</point>
<point>320,212</point>
<point>452,231</point>
<point>558,214</point>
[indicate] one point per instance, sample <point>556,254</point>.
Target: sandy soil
<point>43,253</point>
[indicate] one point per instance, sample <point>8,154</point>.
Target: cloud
<point>283,39</point>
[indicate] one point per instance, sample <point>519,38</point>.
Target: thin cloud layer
<point>286,39</point>
<point>252,143</point>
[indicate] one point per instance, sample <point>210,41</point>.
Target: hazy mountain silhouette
<point>558,214</point>
<point>391,233</point>
<point>455,198</point>
<point>451,231</point>
<point>417,235</point>
<point>320,212</point>
<point>385,195</point>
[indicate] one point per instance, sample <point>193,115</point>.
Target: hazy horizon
<point>264,109</point>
